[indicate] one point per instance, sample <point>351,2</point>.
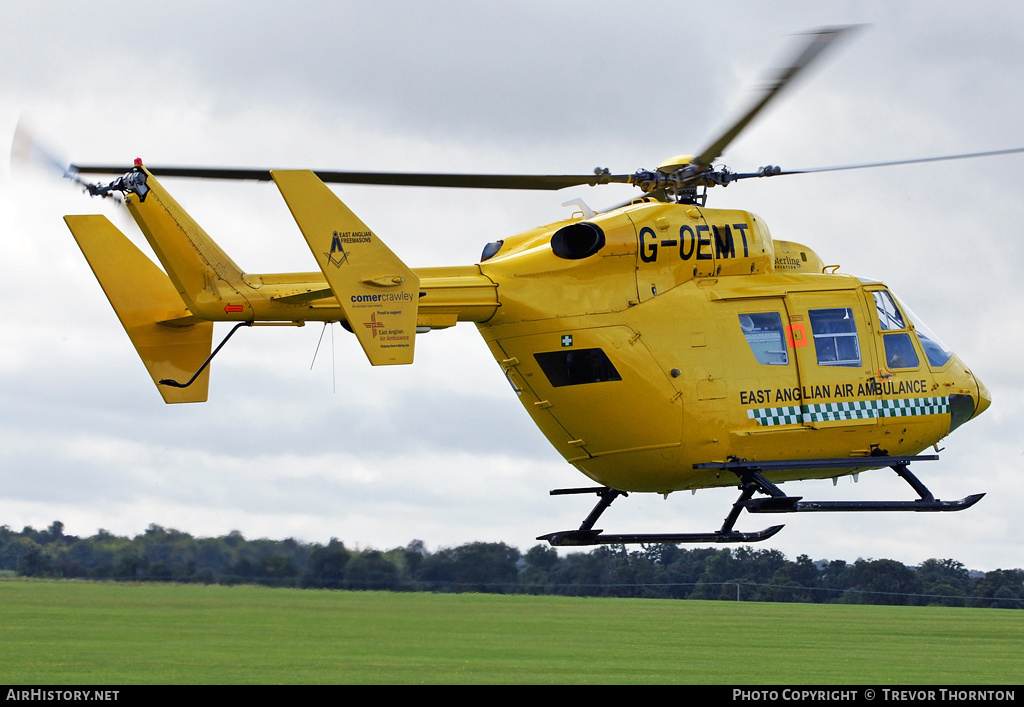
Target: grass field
<point>79,632</point>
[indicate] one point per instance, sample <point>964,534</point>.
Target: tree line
<point>653,571</point>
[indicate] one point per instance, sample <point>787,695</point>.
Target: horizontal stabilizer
<point>149,307</point>
<point>378,293</point>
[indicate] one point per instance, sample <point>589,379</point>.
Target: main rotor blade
<point>406,179</point>
<point>812,45</point>
<point>919,160</point>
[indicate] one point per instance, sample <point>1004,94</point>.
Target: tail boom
<point>169,317</point>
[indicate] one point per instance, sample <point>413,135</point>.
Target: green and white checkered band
<point>856,410</point>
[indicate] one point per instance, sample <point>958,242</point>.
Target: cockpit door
<point>894,342</point>
<point>765,370</point>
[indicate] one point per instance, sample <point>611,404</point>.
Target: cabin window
<point>899,351</point>
<point>576,367</point>
<point>835,337</point>
<point>766,337</point>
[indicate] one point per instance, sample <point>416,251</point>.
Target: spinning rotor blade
<point>27,150</point>
<point>919,160</point>
<point>724,176</point>
<point>462,181</point>
<point>812,46</point>
<point>677,180</point>
<point>814,43</point>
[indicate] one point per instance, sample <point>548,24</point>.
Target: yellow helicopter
<point>659,346</point>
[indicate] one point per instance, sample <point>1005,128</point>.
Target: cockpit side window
<point>888,313</point>
<point>899,351</point>
<point>835,337</point>
<point>766,337</point>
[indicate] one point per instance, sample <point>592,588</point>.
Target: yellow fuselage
<point>642,341</point>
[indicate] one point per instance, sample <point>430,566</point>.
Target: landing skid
<point>752,480</point>
<point>586,535</point>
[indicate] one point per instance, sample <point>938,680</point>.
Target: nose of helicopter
<point>984,398</point>
<point>963,406</point>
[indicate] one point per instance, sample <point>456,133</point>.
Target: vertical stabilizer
<point>378,293</point>
<point>209,282</point>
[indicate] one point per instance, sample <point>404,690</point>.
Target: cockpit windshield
<point>936,351</point>
<point>888,314</point>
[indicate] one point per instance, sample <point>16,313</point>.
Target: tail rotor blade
<point>27,150</point>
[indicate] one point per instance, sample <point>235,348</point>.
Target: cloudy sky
<point>442,450</point>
